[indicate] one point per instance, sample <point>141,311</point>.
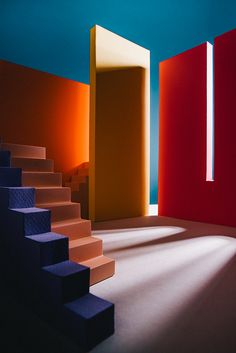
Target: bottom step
<point>101,267</point>
<point>89,319</point>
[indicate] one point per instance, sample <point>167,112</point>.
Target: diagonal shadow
<point>192,230</point>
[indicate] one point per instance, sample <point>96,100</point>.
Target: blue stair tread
<point>46,237</point>
<point>65,268</point>
<point>88,306</point>
<point>29,210</point>
<point>17,187</point>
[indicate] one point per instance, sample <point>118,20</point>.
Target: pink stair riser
<point>24,151</point>
<point>85,248</point>
<point>62,211</point>
<point>35,179</point>
<point>52,194</point>
<point>33,164</point>
<point>74,229</point>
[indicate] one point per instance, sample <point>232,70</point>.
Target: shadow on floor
<point>153,221</point>
<point>189,230</point>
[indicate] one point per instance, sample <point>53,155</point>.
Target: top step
<point>24,151</point>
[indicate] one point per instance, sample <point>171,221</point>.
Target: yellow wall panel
<point>119,127</point>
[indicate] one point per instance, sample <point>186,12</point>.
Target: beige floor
<point>174,288</point>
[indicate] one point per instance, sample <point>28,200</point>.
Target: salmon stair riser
<point>62,211</point>
<point>33,165</point>
<point>38,266</point>
<point>24,151</point>
<point>74,229</point>
<point>49,194</point>
<point>35,179</point>
<point>86,249</point>
<point>65,215</point>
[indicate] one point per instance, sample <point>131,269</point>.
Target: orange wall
<point>41,109</point>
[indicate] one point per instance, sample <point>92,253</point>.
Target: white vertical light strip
<point>153,210</point>
<point>210,117</point>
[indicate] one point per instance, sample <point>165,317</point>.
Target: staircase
<point>38,172</point>
<point>35,258</point>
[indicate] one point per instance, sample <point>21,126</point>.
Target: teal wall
<point>53,36</point>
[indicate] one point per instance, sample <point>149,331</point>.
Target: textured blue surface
<point>46,237</point>
<point>65,268</point>
<point>37,263</point>
<point>28,221</point>
<point>88,306</point>
<point>30,210</point>
<point>65,281</point>
<point>47,249</point>
<point>17,197</point>
<point>89,314</point>
<point>53,36</point>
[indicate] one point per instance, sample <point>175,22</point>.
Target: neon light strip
<point>210,117</point>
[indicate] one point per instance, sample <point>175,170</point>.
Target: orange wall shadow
<point>120,186</point>
<point>41,109</point>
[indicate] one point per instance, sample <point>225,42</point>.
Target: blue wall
<point>53,36</point>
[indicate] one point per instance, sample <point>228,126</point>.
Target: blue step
<point>10,176</point>
<point>89,319</point>
<point>5,159</point>
<point>46,249</point>
<point>17,197</point>
<point>39,264</point>
<point>30,221</point>
<point>65,281</point>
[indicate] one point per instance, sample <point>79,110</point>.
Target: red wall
<point>41,109</point>
<point>183,189</point>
